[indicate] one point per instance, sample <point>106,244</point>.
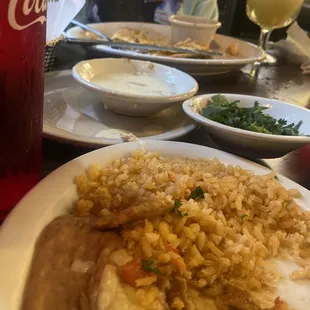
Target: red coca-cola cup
<point>22,51</point>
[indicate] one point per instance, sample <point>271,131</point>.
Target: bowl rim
<point>188,108</point>
<point>123,95</point>
<point>202,22</point>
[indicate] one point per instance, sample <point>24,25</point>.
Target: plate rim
<point>56,187</point>
<point>63,137</point>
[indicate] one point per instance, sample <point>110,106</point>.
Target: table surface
<point>283,81</point>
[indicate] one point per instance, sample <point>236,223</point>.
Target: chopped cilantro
<point>150,266</point>
<point>176,208</point>
<point>177,204</point>
<point>197,193</point>
<point>224,111</point>
<point>276,177</point>
<point>185,214</point>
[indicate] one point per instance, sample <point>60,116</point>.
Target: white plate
<point>54,195</point>
<point>134,87</point>
<point>250,53</point>
<point>73,115</point>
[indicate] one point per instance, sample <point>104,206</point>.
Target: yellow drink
<point>271,14</point>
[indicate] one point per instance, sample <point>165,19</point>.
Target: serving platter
<point>74,116</point>
<point>249,53</point>
<point>54,195</point>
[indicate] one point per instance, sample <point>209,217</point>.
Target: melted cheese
<point>295,293</point>
<point>112,295</point>
<point>120,257</point>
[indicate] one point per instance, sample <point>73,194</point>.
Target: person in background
<point>96,11</point>
<point>89,13</point>
<point>165,10</point>
<point>205,8</point>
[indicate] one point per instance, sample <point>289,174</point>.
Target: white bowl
<point>249,143</point>
<point>134,87</point>
<point>197,28</point>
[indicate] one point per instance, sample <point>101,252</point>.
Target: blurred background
<point>232,15</point>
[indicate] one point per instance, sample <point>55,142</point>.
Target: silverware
<point>144,47</point>
<point>90,29</point>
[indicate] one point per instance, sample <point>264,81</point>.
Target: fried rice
<point>211,246</point>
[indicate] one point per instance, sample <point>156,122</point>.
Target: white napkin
<point>59,15</point>
<point>297,47</point>
<point>205,8</point>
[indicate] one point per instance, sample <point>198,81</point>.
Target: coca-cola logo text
<point>26,8</point>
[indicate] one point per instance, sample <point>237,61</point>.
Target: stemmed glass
<point>272,14</point>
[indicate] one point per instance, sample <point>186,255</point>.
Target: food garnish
<point>243,216</point>
<point>177,205</point>
<point>224,111</point>
<point>150,266</point>
<point>197,193</point>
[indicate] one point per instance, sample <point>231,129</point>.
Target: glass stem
<point>263,39</point>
